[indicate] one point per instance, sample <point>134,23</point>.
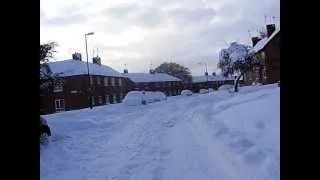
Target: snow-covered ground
<point>219,135</point>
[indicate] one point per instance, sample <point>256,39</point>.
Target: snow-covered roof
<point>74,67</point>
<point>263,42</point>
<point>148,77</point>
<point>203,78</point>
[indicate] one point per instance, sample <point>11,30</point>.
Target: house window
<point>91,80</point>
<point>105,81</point>
<point>112,81</point>
<point>59,105</point>
<point>120,82</point>
<point>264,73</point>
<point>107,99</point>
<point>100,99</point>
<point>92,100</point>
<point>114,98</point>
<point>263,55</point>
<point>58,87</point>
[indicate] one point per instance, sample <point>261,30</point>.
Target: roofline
<point>269,40</point>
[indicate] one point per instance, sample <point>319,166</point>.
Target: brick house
<point>153,81</point>
<point>267,51</point>
<point>210,81</point>
<point>72,89</point>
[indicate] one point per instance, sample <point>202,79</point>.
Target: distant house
<point>74,87</point>
<point>267,51</point>
<point>153,81</point>
<point>210,81</point>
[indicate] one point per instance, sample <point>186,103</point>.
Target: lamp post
<point>89,85</point>
<point>206,73</point>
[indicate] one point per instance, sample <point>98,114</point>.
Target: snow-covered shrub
<point>186,92</point>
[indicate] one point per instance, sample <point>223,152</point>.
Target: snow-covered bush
<point>186,92</point>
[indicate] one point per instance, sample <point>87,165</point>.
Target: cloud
<point>65,20</point>
<point>137,32</point>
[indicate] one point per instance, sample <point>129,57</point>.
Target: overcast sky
<point>145,33</point>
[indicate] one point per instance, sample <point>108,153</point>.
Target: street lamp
<point>206,73</point>
<point>85,37</point>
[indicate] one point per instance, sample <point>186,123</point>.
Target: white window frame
<point>58,87</point>
<point>107,98</point>
<point>100,99</point>
<point>60,102</point>
<point>105,81</point>
<point>120,81</point>
<point>112,81</point>
<point>93,101</point>
<point>114,99</point>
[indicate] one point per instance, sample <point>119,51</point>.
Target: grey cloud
<point>121,12</point>
<point>187,16</point>
<point>65,20</point>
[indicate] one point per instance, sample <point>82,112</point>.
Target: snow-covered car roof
<point>72,67</point>
<point>148,77</point>
<point>203,78</point>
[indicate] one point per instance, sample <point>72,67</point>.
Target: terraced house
<point>267,51</point>
<point>153,81</point>
<point>75,89</point>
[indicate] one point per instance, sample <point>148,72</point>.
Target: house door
<point>59,105</point>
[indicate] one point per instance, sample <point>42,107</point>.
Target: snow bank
<point>225,136</point>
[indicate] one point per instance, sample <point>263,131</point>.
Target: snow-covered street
<point>220,136</point>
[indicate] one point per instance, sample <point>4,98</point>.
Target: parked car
<point>134,98</point>
<point>203,91</point>
<point>186,92</point>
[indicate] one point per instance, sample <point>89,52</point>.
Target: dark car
<point>44,129</point>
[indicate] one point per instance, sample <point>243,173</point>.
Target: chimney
<point>270,29</point>
<point>125,71</point>
<point>255,40</point>
<point>96,60</point>
<point>76,56</point>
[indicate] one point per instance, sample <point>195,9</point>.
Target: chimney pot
<point>255,40</point>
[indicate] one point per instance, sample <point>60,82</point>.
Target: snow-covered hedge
<point>135,98</point>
